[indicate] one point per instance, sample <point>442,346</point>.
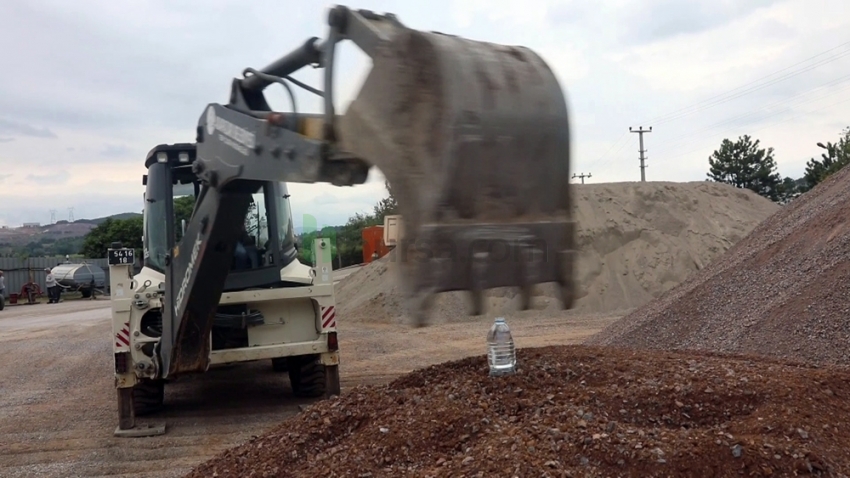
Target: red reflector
<point>332,343</point>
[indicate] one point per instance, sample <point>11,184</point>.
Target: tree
<point>126,231</point>
<point>346,241</point>
<point>743,164</point>
<point>305,249</point>
<point>183,207</point>
<point>791,188</point>
<point>837,156</point>
<point>387,206</point>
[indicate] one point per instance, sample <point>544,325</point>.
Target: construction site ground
<point>58,406</point>
<point>696,269</point>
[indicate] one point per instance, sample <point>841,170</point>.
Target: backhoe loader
<point>473,138</point>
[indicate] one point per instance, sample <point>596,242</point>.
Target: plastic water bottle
<point>501,353</point>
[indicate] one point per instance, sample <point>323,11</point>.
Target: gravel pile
<point>569,411</point>
<point>635,241</point>
<point>783,291</point>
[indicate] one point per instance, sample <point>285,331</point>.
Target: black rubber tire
<point>307,376</point>
<point>280,364</point>
<point>148,397</point>
<point>86,293</point>
<point>2,302</point>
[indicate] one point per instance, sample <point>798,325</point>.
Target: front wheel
<point>307,376</point>
<point>148,397</point>
<point>280,364</point>
<point>2,302</point>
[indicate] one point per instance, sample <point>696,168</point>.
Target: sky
<point>89,87</point>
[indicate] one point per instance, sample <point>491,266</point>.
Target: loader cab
<point>267,239</point>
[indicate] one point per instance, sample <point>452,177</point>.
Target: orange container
<point>373,242</point>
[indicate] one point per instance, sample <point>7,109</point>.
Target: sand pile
<point>569,411</point>
<point>636,241</point>
<point>783,291</point>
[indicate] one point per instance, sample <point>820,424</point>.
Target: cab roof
<point>172,152</point>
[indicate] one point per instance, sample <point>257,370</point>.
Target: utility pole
<point>53,216</point>
<point>70,214</point>
<point>640,131</point>
<point>582,176</point>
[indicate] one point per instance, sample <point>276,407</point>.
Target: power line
<point>743,93</point>
<point>736,93</point>
<point>791,101</point>
<point>640,131</point>
<point>582,176</point>
<point>772,123</point>
<point>713,100</point>
<point>610,156</point>
<point>612,147</point>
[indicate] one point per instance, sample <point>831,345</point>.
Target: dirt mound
<point>569,411</point>
<point>783,291</point>
<point>636,241</point>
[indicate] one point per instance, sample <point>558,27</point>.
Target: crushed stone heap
<point>783,291</point>
<point>636,241</point>
<point>569,411</point>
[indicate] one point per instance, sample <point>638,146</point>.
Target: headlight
<point>183,157</point>
<point>162,157</point>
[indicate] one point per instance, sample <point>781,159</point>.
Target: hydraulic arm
<point>472,136</point>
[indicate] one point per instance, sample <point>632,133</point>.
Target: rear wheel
<point>2,301</point>
<point>279,364</point>
<point>148,397</point>
<point>307,376</point>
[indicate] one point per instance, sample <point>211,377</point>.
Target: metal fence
<point>19,271</point>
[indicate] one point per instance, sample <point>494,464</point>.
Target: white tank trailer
<point>80,277</point>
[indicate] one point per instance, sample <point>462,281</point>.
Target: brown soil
<point>783,291</point>
<point>569,411</point>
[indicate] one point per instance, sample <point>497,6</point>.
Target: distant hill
<point>300,231</point>
<point>17,236</point>
<point>80,227</point>
<point>121,216</point>
<point>64,237</point>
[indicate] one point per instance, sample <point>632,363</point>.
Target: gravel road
<point>57,406</point>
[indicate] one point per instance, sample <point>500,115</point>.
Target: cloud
<point>4,177</point>
<point>52,179</point>
<point>104,91</point>
<point>568,13</point>
<point>320,206</point>
<point>660,20</point>
<point>37,208</point>
<point>325,199</point>
<point>115,151</point>
<point>14,127</point>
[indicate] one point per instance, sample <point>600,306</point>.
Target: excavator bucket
<point>473,138</point>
